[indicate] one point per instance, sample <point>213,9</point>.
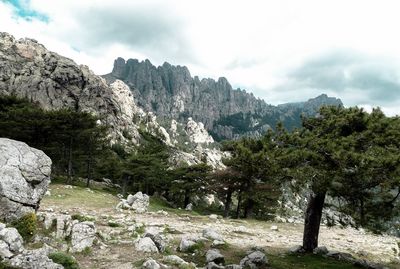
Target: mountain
<point>29,70</point>
<point>172,93</point>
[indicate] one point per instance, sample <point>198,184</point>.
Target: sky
<point>282,51</point>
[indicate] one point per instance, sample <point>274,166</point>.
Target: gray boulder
<point>214,255</point>
<point>151,264</point>
<point>253,260</point>
<point>83,235</point>
<point>158,240</point>
<point>212,234</point>
<point>213,265</point>
<point>186,244</point>
<point>320,250</point>
<point>138,202</point>
<point>24,178</point>
<point>145,244</point>
<point>35,259</point>
<point>12,239</point>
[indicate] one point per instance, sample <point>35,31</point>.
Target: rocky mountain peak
<point>172,93</point>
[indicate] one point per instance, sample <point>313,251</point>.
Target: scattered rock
<point>24,178</point>
<point>35,259</point>
<point>151,264</point>
<point>83,235</point>
<point>173,259</point>
<point>217,243</point>
<point>233,266</point>
<point>255,259</point>
<point>186,244</point>
<point>214,255</point>
<point>145,244</point>
<point>210,233</point>
<point>213,265</point>
<point>189,207</point>
<point>138,202</point>
<point>274,228</point>
<point>320,250</point>
<point>158,240</point>
<point>341,256</point>
<point>296,249</point>
<point>213,216</point>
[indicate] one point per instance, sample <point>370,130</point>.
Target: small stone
<point>320,250</point>
<point>274,228</point>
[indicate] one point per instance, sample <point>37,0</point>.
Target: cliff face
<point>172,93</point>
<point>29,70</point>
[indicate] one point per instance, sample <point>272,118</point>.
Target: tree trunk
<point>312,221</point>
<point>124,185</point>
<point>238,205</point>
<point>89,170</point>
<point>228,202</point>
<point>187,199</point>
<point>69,180</point>
<point>248,210</point>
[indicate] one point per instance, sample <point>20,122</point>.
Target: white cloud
<point>255,44</point>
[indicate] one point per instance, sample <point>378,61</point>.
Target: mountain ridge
<point>172,93</point>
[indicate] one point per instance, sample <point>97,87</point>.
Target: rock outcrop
<point>29,70</point>
<point>13,252</point>
<point>24,178</point>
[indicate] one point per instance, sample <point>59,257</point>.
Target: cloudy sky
<point>282,51</point>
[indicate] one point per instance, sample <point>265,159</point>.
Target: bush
<point>64,259</point>
<point>81,218</point>
<point>26,226</point>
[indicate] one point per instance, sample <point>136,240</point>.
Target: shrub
<point>26,226</point>
<point>113,224</point>
<point>81,218</point>
<point>64,259</point>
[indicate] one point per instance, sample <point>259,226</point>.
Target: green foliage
<point>187,180</point>
<point>81,218</point>
<point>73,140</point>
<point>113,224</point>
<point>253,174</point>
<point>86,251</point>
<point>64,259</point>
<point>26,226</point>
<point>198,247</point>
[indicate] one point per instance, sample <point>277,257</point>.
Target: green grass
<point>82,218</point>
<point>306,261</point>
<point>79,197</point>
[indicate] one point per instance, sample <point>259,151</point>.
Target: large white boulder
<point>138,202</point>
<point>24,178</point>
<point>83,235</point>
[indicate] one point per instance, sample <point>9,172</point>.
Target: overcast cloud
<point>282,51</point>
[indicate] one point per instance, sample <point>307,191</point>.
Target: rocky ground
<point>118,231</point>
